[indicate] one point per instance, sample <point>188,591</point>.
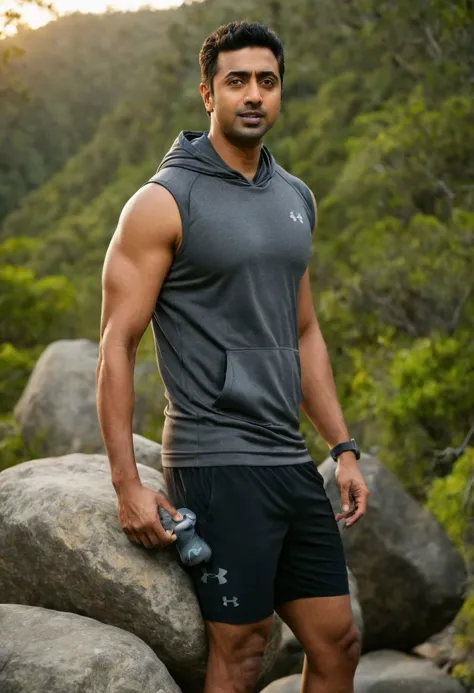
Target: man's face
<point>247,94</point>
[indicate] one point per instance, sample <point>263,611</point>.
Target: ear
<point>206,97</point>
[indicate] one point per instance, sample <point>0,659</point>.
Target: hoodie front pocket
<point>262,386</point>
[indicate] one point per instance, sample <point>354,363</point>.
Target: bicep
<point>136,264</point>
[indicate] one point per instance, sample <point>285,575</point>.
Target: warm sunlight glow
<point>35,17</point>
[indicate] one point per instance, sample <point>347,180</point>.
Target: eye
<point>236,80</point>
<point>268,82</point>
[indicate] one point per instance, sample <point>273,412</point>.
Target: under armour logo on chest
<point>218,576</point>
<point>233,601</point>
<point>296,217</point>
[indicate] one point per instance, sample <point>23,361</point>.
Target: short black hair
<point>233,37</point>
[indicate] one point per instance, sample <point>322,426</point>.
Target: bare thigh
<point>326,629</point>
<point>235,655</point>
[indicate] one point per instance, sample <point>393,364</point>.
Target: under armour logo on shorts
<point>219,576</point>
<point>233,601</point>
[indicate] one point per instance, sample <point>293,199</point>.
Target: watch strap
<point>346,446</point>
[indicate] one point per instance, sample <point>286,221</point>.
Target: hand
<point>353,489</point>
<point>139,519</point>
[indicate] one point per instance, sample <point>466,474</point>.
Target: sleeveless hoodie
<point>226,321</point>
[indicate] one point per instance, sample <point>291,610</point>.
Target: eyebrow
<point>244,73</point>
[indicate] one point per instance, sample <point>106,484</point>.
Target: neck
<point>242,159</point>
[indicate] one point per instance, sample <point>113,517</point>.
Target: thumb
<point>345,502</point>
<point>166,505</point>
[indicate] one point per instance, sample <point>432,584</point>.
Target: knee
<point>350,646</point>
<point>336,653</point>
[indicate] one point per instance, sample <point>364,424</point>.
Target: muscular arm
<point>320,402</point>
<point>321,405</point>
<point>136,264</point>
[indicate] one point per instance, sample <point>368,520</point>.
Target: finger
<point>166,505</point>
<point>345,501</point>
<point>163,537</point>
<point>345,516</point>
<point>155,542</point>
<point>142,536</point>
<point>361,507</point>
<point>357,515</point>
<point>132,536</point>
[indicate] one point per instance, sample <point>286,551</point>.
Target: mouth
<point>251,117</point>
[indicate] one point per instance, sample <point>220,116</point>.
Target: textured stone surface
<point>394,672</point>
<point>386,672</point>
<point>46,651</point>
<point>355,605</point>
<point>57,412</point>
<point>61,547</point>
<point>409,575</point>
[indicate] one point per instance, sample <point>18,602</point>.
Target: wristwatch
<point>345,447</point>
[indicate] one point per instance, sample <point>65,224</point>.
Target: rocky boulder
<point>386,672</point>
<point>410,576</point>
<point>396,672</point>
<point>61,547</point>
<point>46,651</point>
<point>57,411</point>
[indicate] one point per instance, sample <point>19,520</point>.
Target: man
<point>214,251</point>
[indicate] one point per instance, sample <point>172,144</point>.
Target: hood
<point>194,152</point>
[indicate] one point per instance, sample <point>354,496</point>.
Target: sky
<point>36,17</point>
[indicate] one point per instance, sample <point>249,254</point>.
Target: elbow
<point>309,326</point>
<point>114,349</point>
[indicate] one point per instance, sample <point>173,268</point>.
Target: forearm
<point>115,404</point>
<point>320,401</point>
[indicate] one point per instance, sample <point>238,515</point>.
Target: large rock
<point>386,672</point>
<point>409,575</point>
<point>355,604</point>
<point>46,651</point>
<point>57,412</point>
<point>61,547</point>
<point>394,672</point>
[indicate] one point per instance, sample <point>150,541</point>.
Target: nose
<point>253,95</point>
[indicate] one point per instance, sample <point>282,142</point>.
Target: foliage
<point>464,642</point>
<point>12,447</point>
<point>451,500</point>
<point>63,79</point>
<point>15,367</point>
<point>37,309</point>
<point>427,392</point>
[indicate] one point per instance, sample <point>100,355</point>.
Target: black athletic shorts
<point>273,537</point>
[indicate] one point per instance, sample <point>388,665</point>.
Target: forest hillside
<point>61,80</point>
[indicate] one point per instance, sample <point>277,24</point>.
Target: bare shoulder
<point>150,218</point>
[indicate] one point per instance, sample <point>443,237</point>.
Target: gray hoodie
<point>225,322</point>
